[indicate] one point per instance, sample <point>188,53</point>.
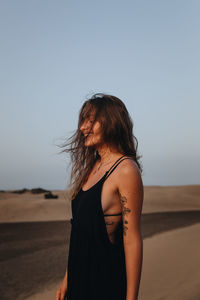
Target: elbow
<point>135,240</point>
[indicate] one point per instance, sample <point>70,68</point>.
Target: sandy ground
<point>29,207</point>
<point>171,267</point>
<point>48,293</point>
<point>33,255</point>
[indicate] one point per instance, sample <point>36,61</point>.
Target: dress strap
<point>114,166</point>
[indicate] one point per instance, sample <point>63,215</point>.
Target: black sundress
<point>96,266</point>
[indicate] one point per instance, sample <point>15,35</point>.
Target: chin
<point>90,144</point>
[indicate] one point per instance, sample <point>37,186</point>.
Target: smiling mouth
<point>88,135</point>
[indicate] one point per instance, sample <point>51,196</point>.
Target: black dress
<point>96,265</point>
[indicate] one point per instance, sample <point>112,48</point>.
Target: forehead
<point>88,112</point>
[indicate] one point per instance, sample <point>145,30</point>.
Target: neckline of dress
<point>95,183</point>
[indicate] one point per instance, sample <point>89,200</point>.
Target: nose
<point>82,127</point>
<point>85,126</point>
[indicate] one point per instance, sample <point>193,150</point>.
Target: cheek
<point>97,127</point>
<point>98,137</point>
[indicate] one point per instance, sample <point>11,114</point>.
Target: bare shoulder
<point>128,167</point>
<point>128,172</point>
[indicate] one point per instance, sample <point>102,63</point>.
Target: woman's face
<point>91,131</point>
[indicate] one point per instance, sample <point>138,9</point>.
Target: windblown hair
<point>117,131</point>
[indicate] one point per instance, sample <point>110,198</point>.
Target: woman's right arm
<point>61,291</point>
<point>60,294</point>
<point>65,274</point>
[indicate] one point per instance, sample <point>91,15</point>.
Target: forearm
<point>134,257</point>
<point>65,277</point>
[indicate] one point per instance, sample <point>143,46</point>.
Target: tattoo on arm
<point>125,212</point>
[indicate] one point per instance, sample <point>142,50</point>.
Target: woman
<point>106,247</point>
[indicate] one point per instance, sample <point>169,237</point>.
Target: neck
<point>107,153</point>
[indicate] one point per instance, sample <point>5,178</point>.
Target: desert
<point>35,235</point>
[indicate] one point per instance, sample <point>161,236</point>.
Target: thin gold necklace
<point>100,165</point>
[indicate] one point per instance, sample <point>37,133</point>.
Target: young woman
<point>106,247</point>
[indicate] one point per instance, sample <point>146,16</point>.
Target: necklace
<point>101,164</point>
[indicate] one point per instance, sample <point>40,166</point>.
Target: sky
<point>56,54</point>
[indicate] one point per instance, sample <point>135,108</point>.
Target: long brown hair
<point>117,131</point>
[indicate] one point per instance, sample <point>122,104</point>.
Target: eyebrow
<point>91,115</point>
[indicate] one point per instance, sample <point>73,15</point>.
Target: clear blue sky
<point>56,53</point>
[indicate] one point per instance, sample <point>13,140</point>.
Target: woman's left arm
<point>130,189</point>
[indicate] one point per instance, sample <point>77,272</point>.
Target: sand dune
<point>33,207</point>
<point>171,267</point>
<point>171,198</point>
<point>171,257</point>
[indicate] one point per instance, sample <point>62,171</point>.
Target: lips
<point>86,135</point>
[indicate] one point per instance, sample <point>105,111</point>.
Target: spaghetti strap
<point>114,166</point>
<point>115,163</point>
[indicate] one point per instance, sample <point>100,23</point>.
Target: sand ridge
<point>33,207</point>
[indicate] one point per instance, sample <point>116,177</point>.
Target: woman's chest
<point>110,200</point>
